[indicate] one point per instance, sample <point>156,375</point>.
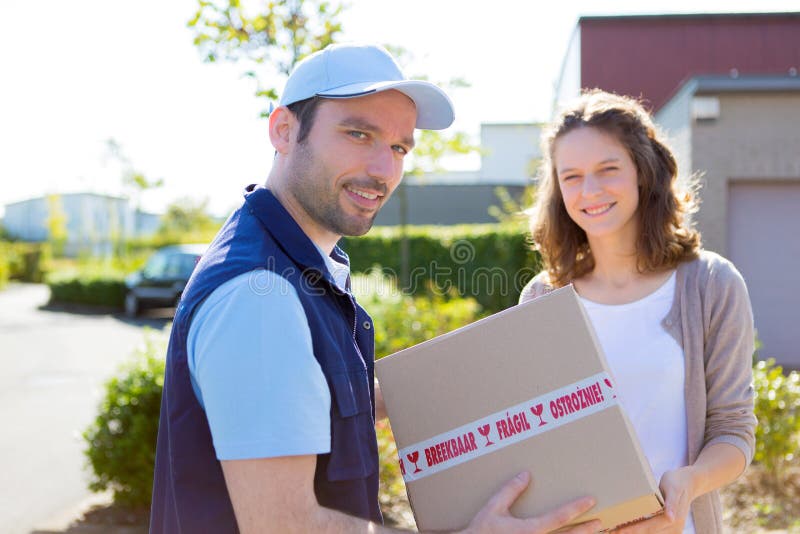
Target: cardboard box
<point>525,389</point>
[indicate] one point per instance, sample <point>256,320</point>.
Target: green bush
<point>91,287</point>
<point>490,263</point>
<point>392,491</point>
<point>778,411</point>
<point>26,262</point>
<point>404,320</point>
<point>122,439</point>
<point>5,263</point>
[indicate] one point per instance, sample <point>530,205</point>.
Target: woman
<point>674,321</point>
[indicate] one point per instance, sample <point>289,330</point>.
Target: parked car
<point>160,283</point>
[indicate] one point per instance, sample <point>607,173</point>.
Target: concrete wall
<point>444,204</point>
<point>756,137</point>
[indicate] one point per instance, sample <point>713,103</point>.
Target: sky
<point>75,74</point>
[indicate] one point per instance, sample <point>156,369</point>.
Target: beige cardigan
<point>711,318</point>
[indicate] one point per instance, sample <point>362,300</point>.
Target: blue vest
<point>189,492</point>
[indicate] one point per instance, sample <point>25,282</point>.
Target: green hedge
<point>94,288</point>
<point>490,263</point>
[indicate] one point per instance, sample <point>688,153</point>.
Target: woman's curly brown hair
<point>665,236</point>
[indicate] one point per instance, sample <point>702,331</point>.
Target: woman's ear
<point>282,125</point>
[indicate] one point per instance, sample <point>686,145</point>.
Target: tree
<point>136,184</point>
<point>131,178</point>
<point>279,34</point>
<point>56,224</point>
<point>4,235</point>
<point>283,32</point>
<point>512,210</point>
<point>186,217</point>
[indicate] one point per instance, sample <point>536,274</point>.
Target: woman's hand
<point>678,488</point>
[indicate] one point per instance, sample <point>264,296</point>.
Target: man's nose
<point>383,164</point>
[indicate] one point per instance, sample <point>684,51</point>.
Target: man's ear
<point>282,128</point>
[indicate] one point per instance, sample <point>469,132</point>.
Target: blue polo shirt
<point>254,401</point>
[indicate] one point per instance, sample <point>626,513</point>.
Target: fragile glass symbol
<point>484,431</point>
<point>413,457</point>
<point>537,411</point>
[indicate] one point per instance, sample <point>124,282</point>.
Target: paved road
<point>52,367</point>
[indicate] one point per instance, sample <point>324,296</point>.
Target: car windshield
<point>155,266</point>
<point>181,265</point>
<point>172,264</point>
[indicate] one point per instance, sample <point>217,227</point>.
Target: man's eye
<point>400,149</point>
<point>357,134</point>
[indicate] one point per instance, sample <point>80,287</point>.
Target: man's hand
<point>496,515</point>
<point>677,486</point>
<point>276,495</point>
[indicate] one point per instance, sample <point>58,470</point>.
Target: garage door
<point>764,243</point>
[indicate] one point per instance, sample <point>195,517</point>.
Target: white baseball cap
<point>353,70</point>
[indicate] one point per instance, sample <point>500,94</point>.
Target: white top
<point>253,369</point>
<point>648,365</point>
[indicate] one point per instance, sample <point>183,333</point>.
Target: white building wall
<point>510,151</point>
<point>27,220</point>
<point>568,86</point>
<point>675,120</point>
<point>93,222</point>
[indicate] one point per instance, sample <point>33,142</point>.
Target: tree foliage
<point>433,145</point>
<point>187,216</point>
<point>281,33</point>
<point>4,235</point>
<point>131,177</point>
<point>277,32</point>
<point>56,224</point>
<point>512,210</point>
